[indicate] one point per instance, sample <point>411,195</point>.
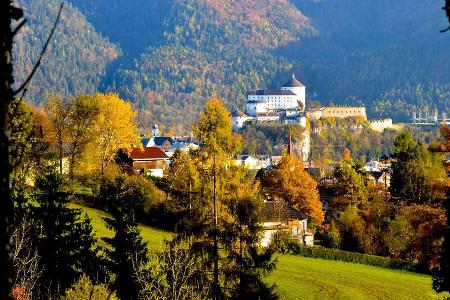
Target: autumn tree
<point>289,181</point>
<point>58,111</point>
<point>185,186</point>
<point>84,289</point>
<point>244,263</point>
<point>441,280</point>
<point>347,155</point>
<point>221,206</point>
<point>26,260</point>
<point>352,230</point>
<point>416,234</point>
<point>418,174</point>
<point>351,185</point>
<point>114,128</point>
<point>83,113</point>
<point>214,129</point>
<point>22,130</point>
<point>174,273</point>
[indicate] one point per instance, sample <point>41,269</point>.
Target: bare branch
<point>16,30</point>
<point>25,260</point>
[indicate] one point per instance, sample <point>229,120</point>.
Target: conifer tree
<point>223,204</point>
<point>127,246</point>
<point>64,240</point>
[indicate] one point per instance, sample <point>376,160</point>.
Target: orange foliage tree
<point>289,181</point>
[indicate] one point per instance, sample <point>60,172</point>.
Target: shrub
<point>295,248</point>
<point>84,289</point>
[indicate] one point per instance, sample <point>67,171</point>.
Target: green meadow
<point>154,237</point>
<point>308,278</point>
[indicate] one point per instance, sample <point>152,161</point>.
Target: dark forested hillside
<point>388,55</point>
<point>133,25</point>
<point>168,56</point>
<point>76,59</point>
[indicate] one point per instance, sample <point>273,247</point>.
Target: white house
<point>372,166</point>
<point>278,217</point>
<point>252,162</point>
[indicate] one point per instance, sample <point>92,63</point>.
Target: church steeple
<point>290,145</point>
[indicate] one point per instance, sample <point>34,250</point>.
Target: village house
<point>381,177</point>
<point>253,162</point>
<point>167,144</point>
<point>278,218</point>
<point>150,161</point>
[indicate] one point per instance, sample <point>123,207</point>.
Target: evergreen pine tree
<point>127,246</point>
<point>64,240</point>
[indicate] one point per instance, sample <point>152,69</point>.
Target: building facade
<point>286,104</point>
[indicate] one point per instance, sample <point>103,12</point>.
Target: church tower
<point>297,88</point>
<point>155,130</point>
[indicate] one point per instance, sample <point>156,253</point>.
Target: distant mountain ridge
<point>168,56</point>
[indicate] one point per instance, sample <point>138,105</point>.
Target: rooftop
<point>293,82</point>
<point>147,153</point>
<point>278,211</point>
<point>238,113</point>
<point>272,93</point>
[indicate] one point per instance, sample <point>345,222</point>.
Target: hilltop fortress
<point>286,104</point>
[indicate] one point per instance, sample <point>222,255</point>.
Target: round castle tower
<point>297,88</point>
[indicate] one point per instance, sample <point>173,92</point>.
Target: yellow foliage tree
<point>214,129</point>
<point>114,128</point>
<point>289,181</point>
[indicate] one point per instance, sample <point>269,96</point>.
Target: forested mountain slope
<point>76,59</point>
<point>211,46</point>
<point>168,56</point>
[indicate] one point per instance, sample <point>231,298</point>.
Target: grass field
<point>307,278</point>
<point>154,237</point>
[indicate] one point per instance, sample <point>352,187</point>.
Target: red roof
<point>148,153</point>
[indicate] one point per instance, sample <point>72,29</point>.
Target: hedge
<point>295,248</point>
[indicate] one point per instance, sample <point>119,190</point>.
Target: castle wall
<point>344,112</point>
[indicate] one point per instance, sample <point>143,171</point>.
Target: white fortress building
<point>284,105</point>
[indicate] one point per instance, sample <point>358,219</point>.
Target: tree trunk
<point>6,95</point>
<point>60,158</point>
